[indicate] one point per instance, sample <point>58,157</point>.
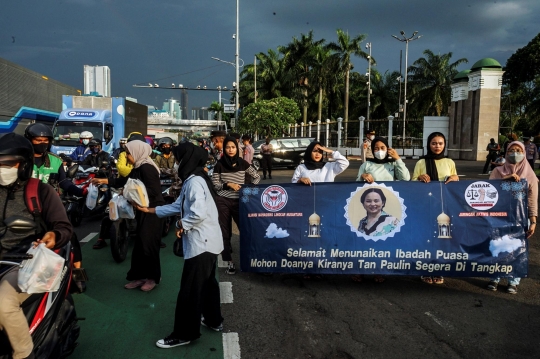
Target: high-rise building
<point>173,108</point>
<point>97,80</point>
<point>184,102</point>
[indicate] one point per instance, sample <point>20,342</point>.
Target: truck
<point>108,118</point>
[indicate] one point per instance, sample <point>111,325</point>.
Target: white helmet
<point>86,134</point>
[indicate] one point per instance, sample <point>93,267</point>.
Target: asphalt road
<point>286,316</point>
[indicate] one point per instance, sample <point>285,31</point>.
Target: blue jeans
<point>511,280</point>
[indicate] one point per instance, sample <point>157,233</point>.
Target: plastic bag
<point>135,191</point>
<point>125,209</point>
<point>113,209</point>
<point>42,273</point>
<point>91,198</point>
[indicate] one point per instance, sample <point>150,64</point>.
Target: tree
<point>344,48</point>
<point>430,78</point>
<point>269,117</point>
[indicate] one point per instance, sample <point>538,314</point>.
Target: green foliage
<point>269,117</point>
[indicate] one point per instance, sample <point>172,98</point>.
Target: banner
<point>465,228</point>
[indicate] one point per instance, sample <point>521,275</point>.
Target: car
<point>288,151</point>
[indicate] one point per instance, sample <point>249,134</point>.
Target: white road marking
<point>221,263</point>
<point>441,322</point>
<point>231,346</point>
<point>89,237</point>
<point>225,292</point>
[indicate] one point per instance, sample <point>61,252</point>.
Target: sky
<point>172,41</point>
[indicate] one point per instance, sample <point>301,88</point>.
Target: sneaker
<point>170,342</point>
<point>148,285</point>
<point>492,285</point>
<point>135,284</point>
<point>219,328</point>
<point>231,269</point>
<point>512,289</point>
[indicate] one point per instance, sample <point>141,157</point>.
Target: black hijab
<point>192,161</point>
<point>233,163</point>
<point>308,161</point>
<point>430,158</point>
<point>375,159</point>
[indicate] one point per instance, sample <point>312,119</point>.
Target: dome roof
<point>462,76</point>
<point>486,64</point>
<point>443,218</point>
<point>314,218</point>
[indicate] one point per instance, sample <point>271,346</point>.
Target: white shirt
<point>324,174</point>
<point>202,232</point>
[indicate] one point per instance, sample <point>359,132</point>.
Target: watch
<point>176,224</point>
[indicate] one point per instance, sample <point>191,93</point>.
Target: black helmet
<point>38,130</point>
<point>136,136</point>
<point>20,149</point>
<point>94,142</point>
<point>165,141</point>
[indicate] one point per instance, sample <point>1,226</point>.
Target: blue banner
<point>465,228</point>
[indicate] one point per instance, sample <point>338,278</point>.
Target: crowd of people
<point>212,176</point>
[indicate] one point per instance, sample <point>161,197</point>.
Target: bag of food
<point>91,197</point>
<point>113,209</point>
<point>125,209</point>
<point>135,191</point>
<point>42,273</point>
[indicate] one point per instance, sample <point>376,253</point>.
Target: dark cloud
<point>143,41</point>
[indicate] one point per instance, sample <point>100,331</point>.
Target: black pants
<point>266,164</point>
<point>491,157</point>
<point>145,263</point>
<point>531,162</point>
<point>228,209</point>
<point>76,248</point>
<point>105,230</point>
<point>199,294</point>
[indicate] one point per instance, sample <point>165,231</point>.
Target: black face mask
<point>40,148</point>
<point>166,150</point>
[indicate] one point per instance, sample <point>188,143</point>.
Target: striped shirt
<point>222,176</point>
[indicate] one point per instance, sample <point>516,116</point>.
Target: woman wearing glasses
<point>435,167</point>
<point>314,169</point>
<point>515,169</point>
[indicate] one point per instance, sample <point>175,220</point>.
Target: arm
<point>255,177</point>
<point>196,202</point>
<point>216,178</point>
<point>419,169</point>
<point>124,168</point>
<point>340,164</point>
<point>532,201</point>
<point>297,173</point>
<point>54,215</point>
<point>167,210</point>
<point>401,171</point>
<point>361,172</point>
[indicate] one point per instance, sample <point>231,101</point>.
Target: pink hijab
<point>522,169</point>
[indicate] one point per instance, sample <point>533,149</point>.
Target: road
<point>287,316</point>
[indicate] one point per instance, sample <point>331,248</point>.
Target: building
<point>173,108</point>
<point>97,81</point>
<point>27,96</point>
<point>201,113</point>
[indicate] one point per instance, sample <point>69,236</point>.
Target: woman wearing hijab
<point>314,169</point>
<point>228,177</point>
<point>515,169</point>
<point>145,271</point>
<point>435,167</point>
<point>385,166</point>
<point>202,242</point>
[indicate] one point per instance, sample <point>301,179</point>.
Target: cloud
<point>505,244</point>
<point>274,232</point>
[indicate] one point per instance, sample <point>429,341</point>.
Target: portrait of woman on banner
<point>376,222</point>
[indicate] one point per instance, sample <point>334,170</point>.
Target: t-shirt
<point>445,167</point>
<point>267,149</point>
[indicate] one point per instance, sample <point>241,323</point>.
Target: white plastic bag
<point>125,209</point>
<point>42,273</point>
<point>113,209</point>
<point>91,198</point>
<point>135,191</point>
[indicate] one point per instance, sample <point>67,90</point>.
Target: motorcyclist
<point>82,150</point>
<point>16,165</point>
<point>97,157</point>
<point>120,149</point>
<point>166,158</point>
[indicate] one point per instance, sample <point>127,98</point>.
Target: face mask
<point>85,142</point>
<point>380,155</point>
<point>516,158</point>
<point>176,166</point>
<point>96,150</point>
<point>40,148</point>
<point>8,175</point>
<point>166,151</point>
<point>371,137</point>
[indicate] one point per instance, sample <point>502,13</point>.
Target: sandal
<point>438,280</point>
<point>427,280</point>
<point>358,278</point>
<point>379,279</point>
<point>100,244</point>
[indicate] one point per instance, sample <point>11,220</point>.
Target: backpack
<point>33,204</point>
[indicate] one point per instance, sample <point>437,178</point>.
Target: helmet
<point>123,140</point>
<point>149,140</point>
<point>38,130</point>
<point>165,141</point>
<point>18,147</point>
<point>94,142</point>
<point>86,134</point>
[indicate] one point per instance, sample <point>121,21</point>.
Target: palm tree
<point>431,77</point>
<point>217,108</point>
<point>322,73</point>
<point>385,93</point>
<point>344,48</point>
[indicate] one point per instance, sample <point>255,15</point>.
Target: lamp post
<point>368,46</point>
<point>237,57</point>
<point>406,41</point>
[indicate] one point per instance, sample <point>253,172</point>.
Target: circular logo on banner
<point>274,198</point>
<point>72,113</point>
<point>481,195</point>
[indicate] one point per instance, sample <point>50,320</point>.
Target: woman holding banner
<point>515,169</point>
<point>314,169</point>
<point>385,166</point>
<point>435,167</point>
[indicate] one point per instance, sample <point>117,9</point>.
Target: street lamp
<point>368,46</point>
<point>406,41</point>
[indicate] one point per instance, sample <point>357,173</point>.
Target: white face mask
<point>516,157</point>
<point>8,175</point>
<point>371,137</point>
<point>380,155</point>
<point>85,142</point>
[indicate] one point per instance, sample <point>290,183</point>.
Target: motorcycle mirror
<point>72,171</point>
<point>20,224</point>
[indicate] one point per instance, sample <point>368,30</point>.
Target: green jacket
<point>51,164</point>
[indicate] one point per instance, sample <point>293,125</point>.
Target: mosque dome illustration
<point>443,221</point>
<point>314,229</point>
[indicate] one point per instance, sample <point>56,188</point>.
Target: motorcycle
<point>120,233</point>
<point>168,178</point>
<point>51,316</point>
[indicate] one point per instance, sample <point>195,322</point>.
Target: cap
<point>218,134</point>
<point>371,133</point>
